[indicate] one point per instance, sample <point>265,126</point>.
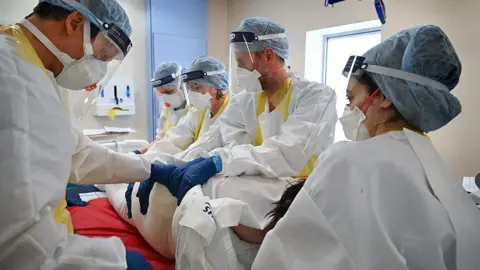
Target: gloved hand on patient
<point>128,199</point>
<point>177,179</point>
<point>198,174</point>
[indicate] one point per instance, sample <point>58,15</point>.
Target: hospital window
<point>337,49</point>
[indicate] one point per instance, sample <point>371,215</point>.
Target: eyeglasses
<point>193,87</point>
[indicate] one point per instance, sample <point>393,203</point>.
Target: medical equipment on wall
<point>116,99</point>
<point>379,7</point>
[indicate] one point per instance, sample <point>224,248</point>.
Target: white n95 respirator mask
<point>353,122</point>
<point>175,100</point>
<point>200,101</point>
<point>78,74</point>
<point>249,80</point>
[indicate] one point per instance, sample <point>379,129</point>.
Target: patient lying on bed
<point>257,192</point>
<point>156,225</point>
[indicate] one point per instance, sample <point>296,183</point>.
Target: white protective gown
<point>385,203</point>
<point>93,163</point>
<point>168,119</point>
<point>284,150</point>
<point>36,161</point>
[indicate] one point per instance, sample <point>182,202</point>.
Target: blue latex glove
<point>128,192</point>
<point>143,194</point>
<point>136,261</point>
<point>198,174</point>
<point>74,201</point>
<point>128,199</point>
<point>168,175</point>
<point>72,195</point>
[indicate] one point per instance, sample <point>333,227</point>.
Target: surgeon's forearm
<point>254,160</point>
<point>103,166</point>
<point>167,146</point>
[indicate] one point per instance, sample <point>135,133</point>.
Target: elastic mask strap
<point>87,40</point>
<point>407,76</point>
<point>63,57</point>
<point>211,73</point>
<point>369,101</point>
<point>272,36</point>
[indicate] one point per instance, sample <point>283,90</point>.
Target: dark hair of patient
<point>284,203</point>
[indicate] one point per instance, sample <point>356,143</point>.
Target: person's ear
<point>212,91</point>
<point>385,102</point>
<point>74,23</point>
<point>269,55</point>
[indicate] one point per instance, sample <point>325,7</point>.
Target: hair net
<point>97,12</point>
<point>426,51</point>
<point>262,26</point>
<point>206,64</point>
<point>168,68</point>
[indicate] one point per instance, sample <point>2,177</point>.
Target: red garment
<point>99,219</point>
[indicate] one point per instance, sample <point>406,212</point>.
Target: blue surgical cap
<point>426,51</point>
<point>168,68</point>
<point>97,12</point>
<point>206,64</point>
<point>262,26</point>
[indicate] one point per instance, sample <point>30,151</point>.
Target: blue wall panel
<point>180,17</point>
<point>189,49</point>
<point>178,33</point>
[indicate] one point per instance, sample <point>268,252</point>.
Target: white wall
<point>11,12</point>
<point>217,35</point>
<point>457,141</point>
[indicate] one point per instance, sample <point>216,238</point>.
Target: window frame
<point>360,32</point>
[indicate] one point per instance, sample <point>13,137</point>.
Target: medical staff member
<point>168,84</point>
<point>271,122</point>
<point>386,200</point>
<point>207,81</point>
<point>72,44</point>
<point>169,88</point>
<point>207,84</point>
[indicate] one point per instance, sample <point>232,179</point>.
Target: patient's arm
<point>256,236</point>
<point>250,235</point>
